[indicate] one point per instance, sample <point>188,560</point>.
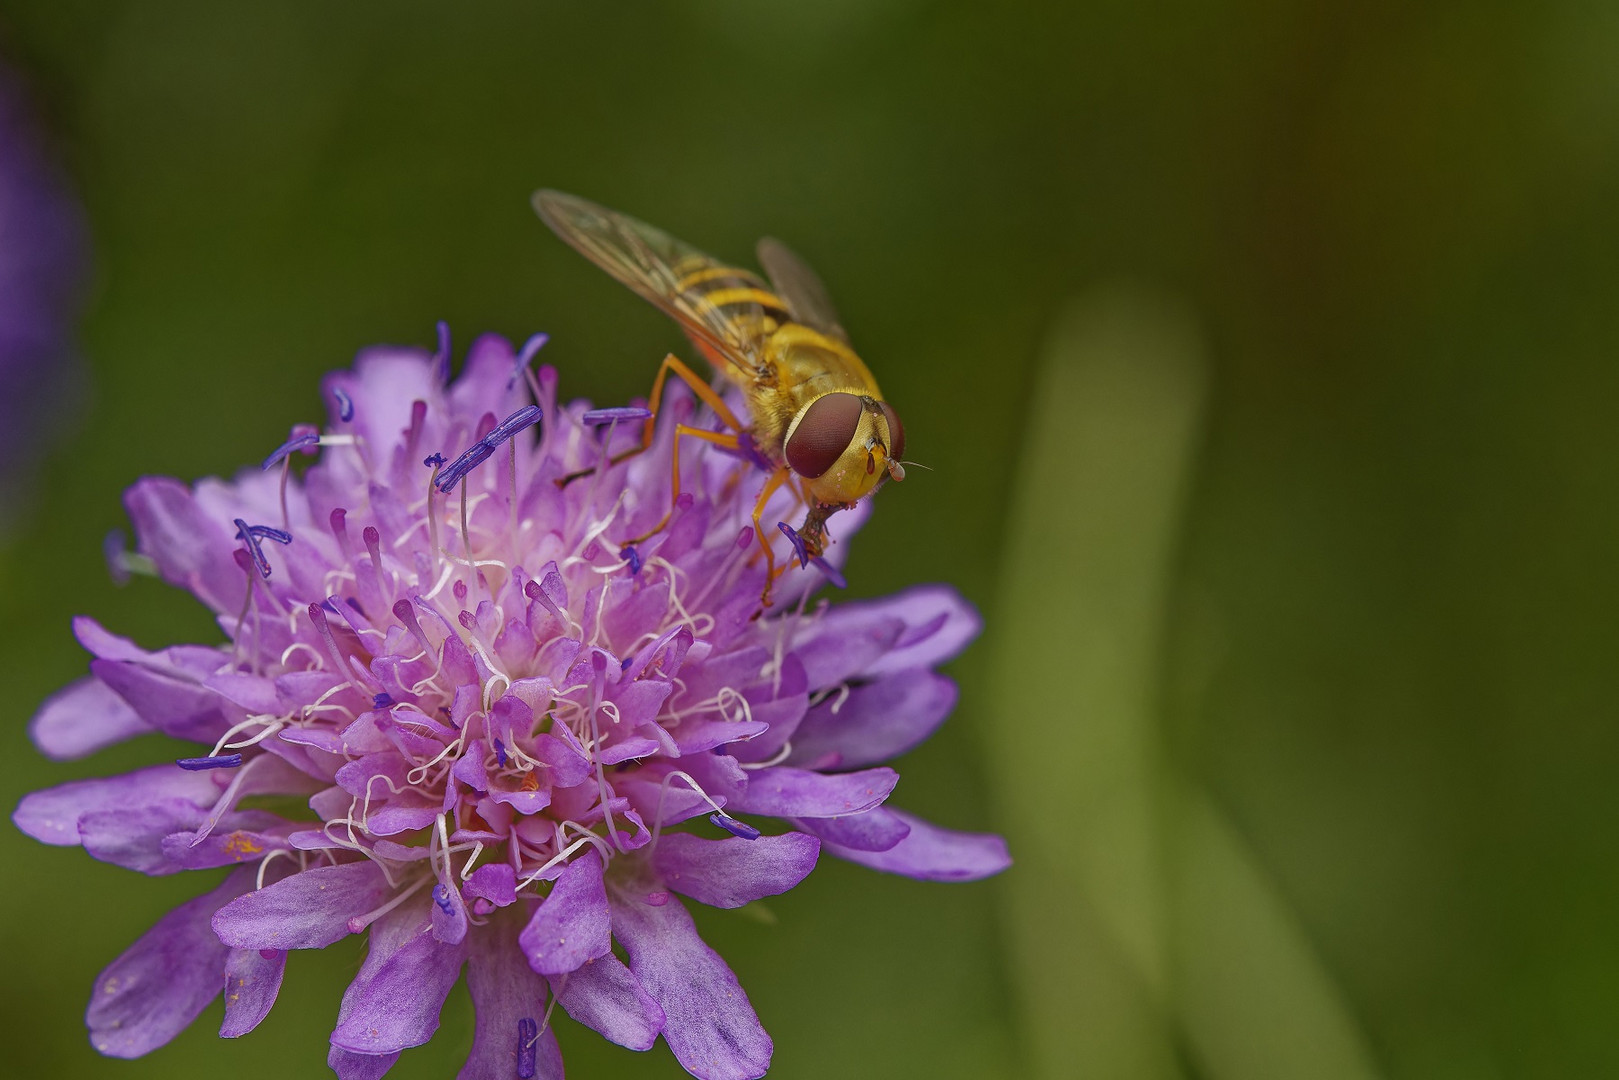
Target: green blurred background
<point>1263,354</point>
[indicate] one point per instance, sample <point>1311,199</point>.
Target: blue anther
<point>433,461</point>
<point>441,897</point>
<point>381,701</point>
<point>734,827</point>
<point>830,571</point>
<point>441,358</point>
<point>631,556</point>
<point>798,543</point>
<point>297,442</point>
<point>527,416</point>
<point>198,764</point>
<point>500,753</point>
<point>451,474</point>
<point>614,413</point>
<point>345,404</point>
<point>525,356</point>
<point>528,1038</point>
<point>480,451</point>
<point>252,534</point>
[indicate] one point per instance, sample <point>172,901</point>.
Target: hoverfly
<point>818,417</point>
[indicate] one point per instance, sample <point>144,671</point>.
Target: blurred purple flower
<point>42,256</point>
<point>519,741</point>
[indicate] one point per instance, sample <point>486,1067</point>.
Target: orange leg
<point>777,478</point>
<point>718,438</point>
<point>698,386</point>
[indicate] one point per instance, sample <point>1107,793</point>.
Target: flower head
<point>520,740</point>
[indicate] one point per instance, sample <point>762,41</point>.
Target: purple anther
<point>657,899</point>
<point>631,556</point>
<point>301,439</point>
<point>734,827</point>
<point>614,413</point>
<point>551,581</point>
<point>798,543</point>
<point>684,500</point>
<point>527,416</point>
<point>830,571</point>
<point>270,532</point>
<point>381,701</point>
<point>475,455</point>
<point>413,432</point>
<point>546,598</point>
<point>251,535</point>
<point>460,590</point>
<point>433,461</point>
<point>466,619</point>
<point>339,521</point>
<point>221,761</point>
<point>592,550</point>
<point>405,612</point>
<point>528,1038</point>
<point>112,549</point>
<point>745,537</point>
<point>441,358</point>
<point>345,404</point>
<point>441,897</point>
<point>373,544</point>
<point>500,753</point>
<point>525,356</point>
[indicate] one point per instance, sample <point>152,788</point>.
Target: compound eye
<point>823,433</point>
<point>896,431</point>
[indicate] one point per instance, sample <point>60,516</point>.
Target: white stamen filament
<point>775,759</point>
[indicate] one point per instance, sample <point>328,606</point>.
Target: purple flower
<point>518,745</point>
<point>42,254</point>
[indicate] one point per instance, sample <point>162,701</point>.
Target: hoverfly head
<point>845,444</point>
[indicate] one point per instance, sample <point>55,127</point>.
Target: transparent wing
<point>801,288</point>
<point>725,310</point>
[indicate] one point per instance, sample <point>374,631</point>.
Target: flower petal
<point>351,1066</point>
<point>494,882</point>
<point>307,910</point>
<point>505,992</point>
<point>939,623</point>
<point>133,838</point>
<point>52,815</point>
<point>878,829</point>
<point>155,989</point>
<point>83,718</point>
<point>875,722</point>
<point>166,700</point>
<point>252,981</point>
<point>572,924</point>
<point>708,1021</point>
<point>841,644</point>
<point>932,853</point>
<point>788,792</point>
<point>449,912</point>
<point>236,842</point>
<point>191,549</point>
<point>604,995</point>
<point>732,872</point>
<point>394,1001</point>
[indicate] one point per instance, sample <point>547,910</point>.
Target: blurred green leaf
<point>1146,939</point>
